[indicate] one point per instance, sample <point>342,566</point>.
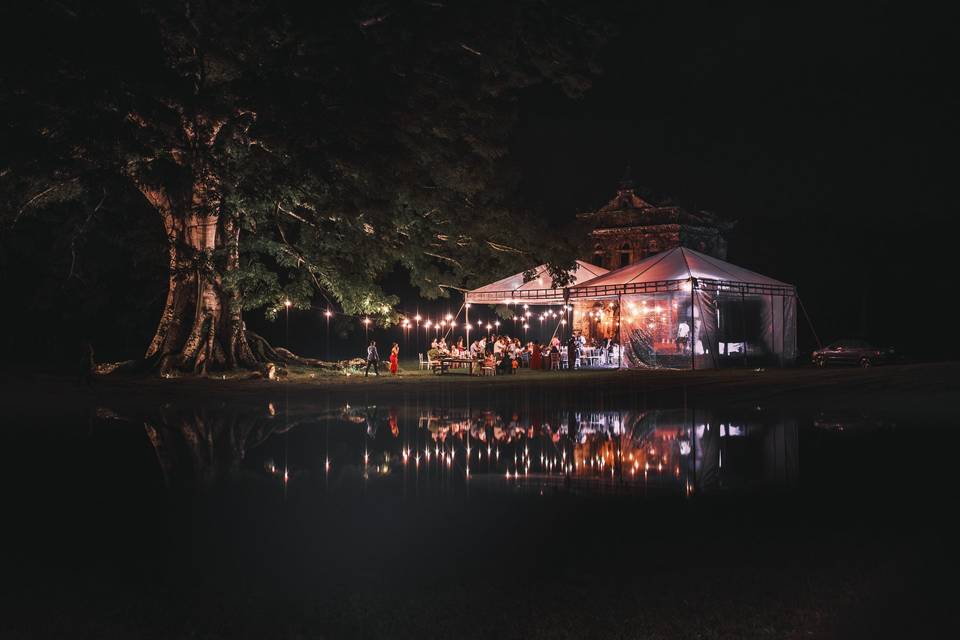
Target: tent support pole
<point>620,337</point>
<point>693,331</point>
<point>743,323</point>
<point>809,321</point>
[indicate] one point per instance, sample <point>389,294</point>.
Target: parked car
<point>853,352</point>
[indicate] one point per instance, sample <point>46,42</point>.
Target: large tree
<point>289,152</point>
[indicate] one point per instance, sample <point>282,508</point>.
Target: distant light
<point>449,317</point>
<point>428,324</point>
<point>497,323</point>
<point>417,317</point>
<point>328,313</point>
<point>526,326</point>
<point>287,303</point>
<point>366,321</point>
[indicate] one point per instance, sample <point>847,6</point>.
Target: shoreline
<point>922,387</point>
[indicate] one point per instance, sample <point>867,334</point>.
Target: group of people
<point>507,354</point>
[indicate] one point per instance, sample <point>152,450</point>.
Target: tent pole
<point>809,322</point>
<point>693,333</point>
<point>620,336</point>
<point>743,323</point>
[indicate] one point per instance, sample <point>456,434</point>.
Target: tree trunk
<point>201,326</point>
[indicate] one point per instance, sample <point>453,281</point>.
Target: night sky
<point>827,133</point>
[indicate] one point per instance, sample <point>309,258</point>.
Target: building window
<point>598,256</point>
<point>624,255</point>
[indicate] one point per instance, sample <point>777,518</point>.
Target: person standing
<point>683,336</point>
<point>572,346</point>
<point>536,356</point>
<point>394,358</point>
<point>373,358</point>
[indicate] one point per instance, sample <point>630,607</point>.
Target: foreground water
<point>444,517</point>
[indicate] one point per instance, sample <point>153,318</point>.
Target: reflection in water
<point>684,452</point>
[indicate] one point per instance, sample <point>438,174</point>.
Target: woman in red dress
<point>394,358</point>
<point>535,356</point>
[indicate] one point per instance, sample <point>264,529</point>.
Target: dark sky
<point>828,133</point>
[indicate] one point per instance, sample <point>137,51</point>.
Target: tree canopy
<point>332,142</point>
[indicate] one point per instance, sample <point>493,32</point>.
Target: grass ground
<point>915,387</point>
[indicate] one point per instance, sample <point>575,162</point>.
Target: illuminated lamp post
<point>366,332</point>
<point>416,340</point>
<point>327,314</point>
<point>287,304</point>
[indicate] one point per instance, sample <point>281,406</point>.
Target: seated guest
<point>488,361</point>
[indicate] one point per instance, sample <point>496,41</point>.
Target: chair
<point>488,371</point>
<point>424,363</point>
<point>555,361</point>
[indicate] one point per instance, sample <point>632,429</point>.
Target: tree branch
<point>38,197</point>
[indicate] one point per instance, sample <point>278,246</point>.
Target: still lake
<point>443,516</point>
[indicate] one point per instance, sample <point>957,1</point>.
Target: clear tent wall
<point>707,324</point>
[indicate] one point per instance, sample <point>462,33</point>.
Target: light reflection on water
<point>451,450</point>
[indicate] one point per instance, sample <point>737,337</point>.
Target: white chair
<point>424,364</point>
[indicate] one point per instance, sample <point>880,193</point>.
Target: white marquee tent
<point>684,309</point>
<point>538,290</point>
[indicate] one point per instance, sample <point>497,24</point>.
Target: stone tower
<point>628,229</point>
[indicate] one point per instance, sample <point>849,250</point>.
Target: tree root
<point>264,359</point>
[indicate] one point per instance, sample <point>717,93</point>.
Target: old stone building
<point>628,229</point>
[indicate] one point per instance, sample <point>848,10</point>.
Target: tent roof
<point>538,289</point>
<point>674,265</point>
